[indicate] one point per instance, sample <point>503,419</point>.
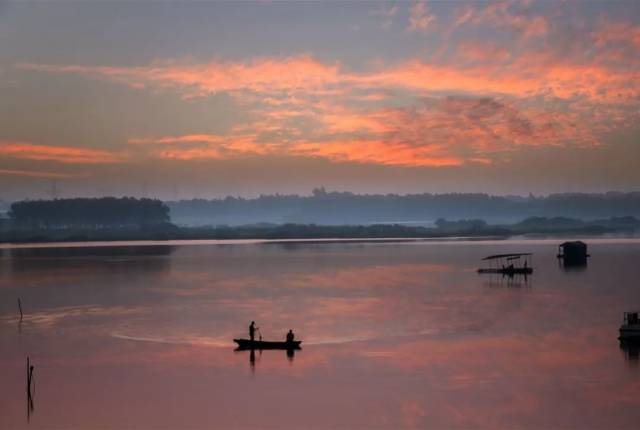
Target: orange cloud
<point>449,131</point>
<point>377,152</point>
<point>191,154</point>
<point>189,138</point>
<point>343,120</point>
<point>529,75</point>
<point>507,95</point>
<point>205,146</point>
<point>61,154</point>
<point>264,75</point>
<point>359,151</point>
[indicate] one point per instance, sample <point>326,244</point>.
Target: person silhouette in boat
<point>252,330</point>
<point>290,336</point>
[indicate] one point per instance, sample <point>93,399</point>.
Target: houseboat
<point>573,253</point>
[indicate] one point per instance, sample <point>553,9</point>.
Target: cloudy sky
<point>202,99</point>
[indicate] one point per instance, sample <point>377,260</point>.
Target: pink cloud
<point>387,14</point>
<point>483,51</point>
<point>263,75</point>
<point>419,17</point>
<point>506,14</point>
<point>616,33</point>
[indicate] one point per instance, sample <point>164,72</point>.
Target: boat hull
<point>630,331</point>
<point>506,271</point>
<point>261,344</point>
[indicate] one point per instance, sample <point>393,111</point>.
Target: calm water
<point>396,335</point>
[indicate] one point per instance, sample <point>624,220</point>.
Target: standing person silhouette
<point>252,330</point>
<point>290,336</point>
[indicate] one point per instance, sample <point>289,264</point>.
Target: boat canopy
<point>508,256</point>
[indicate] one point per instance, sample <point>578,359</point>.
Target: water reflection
<point>568,265</point>
<point>631,350</point>
<point>127,339</point>
<point>58,260</point>
<point>508,280</point>
<point>290,353</point>
<point>30,407</point>
<point>31,386</point>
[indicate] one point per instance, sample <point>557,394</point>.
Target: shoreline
<point>470,230</point>
<point>453,240</point>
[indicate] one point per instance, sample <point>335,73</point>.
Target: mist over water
<point>395,335</point>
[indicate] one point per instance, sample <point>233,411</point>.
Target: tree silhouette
<point>91,213</point>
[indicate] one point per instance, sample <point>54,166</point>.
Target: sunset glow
<point>451,93</point>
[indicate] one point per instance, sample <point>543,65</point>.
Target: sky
<point>208,99</point>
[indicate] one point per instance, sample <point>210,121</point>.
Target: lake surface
<point>395,335</point>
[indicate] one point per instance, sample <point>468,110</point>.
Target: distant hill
<point>4,208</point>
<point>340,208</point>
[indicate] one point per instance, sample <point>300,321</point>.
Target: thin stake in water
<point>20,307</point>
<point>29,383</point>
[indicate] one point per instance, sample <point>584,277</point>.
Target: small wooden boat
<point>263,344</point>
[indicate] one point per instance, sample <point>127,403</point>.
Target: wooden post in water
<point>20,307</point>
<point>29,395</point>
<point>31,383</point>
<point>28,376</point>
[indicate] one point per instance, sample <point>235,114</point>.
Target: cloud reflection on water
<point>394,337</point>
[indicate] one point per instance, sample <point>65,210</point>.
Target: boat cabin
<point>631,318</point>
<point>573,253</point>
<point>630,328</point>
<point>508,264</point>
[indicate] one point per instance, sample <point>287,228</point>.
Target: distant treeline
<point>92,213</point>
<point>627,226</point>
<point>443,228</point>
<point>543,225</point>
<point>340,208</point>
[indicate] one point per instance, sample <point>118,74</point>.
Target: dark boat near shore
<point>630,328</point>
<point>263,344</point>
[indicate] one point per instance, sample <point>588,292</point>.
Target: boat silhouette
<point>509,264</point>
<point>244,344</point>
